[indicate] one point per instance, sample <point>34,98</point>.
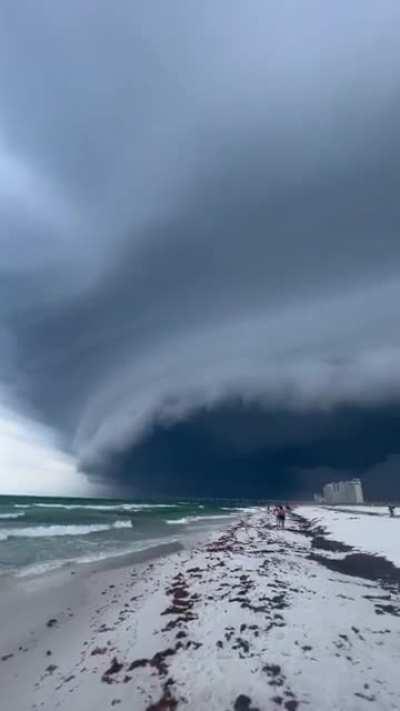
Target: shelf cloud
<point>200,255</point>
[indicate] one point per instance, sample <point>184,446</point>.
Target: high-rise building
<point>343,492</point>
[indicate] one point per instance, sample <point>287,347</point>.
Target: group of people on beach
<point>280,511</point>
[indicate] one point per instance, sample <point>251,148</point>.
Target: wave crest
<point>98,507</point>
<point>58,530</point>
<point>195,519</point>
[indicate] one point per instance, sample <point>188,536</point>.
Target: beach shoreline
<point>36,607</point>
<point>247,618</point>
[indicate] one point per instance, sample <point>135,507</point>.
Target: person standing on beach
<point>391,510</point>
<point>281,516</point>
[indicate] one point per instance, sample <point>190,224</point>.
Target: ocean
<point>39,534</point>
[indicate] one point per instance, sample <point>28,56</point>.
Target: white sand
<point>252,623</point>
<point>372,534</point>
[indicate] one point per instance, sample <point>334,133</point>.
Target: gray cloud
<point>197,203</point>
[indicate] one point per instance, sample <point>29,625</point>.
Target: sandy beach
<point>251,618</point>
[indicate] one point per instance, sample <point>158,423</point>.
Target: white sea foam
<point>57,530</point>
<point>9,516</point>
<point>195,519</point>
<point>137,548</point>
<point>51,565</point>
<point>97,507</point>
<point>243,509</point>
<point>41,568</point>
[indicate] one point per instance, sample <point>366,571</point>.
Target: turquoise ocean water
<point>38,534</point>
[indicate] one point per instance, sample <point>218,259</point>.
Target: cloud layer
<point>199,207</point>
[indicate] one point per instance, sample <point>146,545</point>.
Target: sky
<point>199,274</point>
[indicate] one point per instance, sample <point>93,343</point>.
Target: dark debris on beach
<point>265,591</point>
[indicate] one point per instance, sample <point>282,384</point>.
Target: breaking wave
<point>97,507</point>
<point>50,531</point>
<point>195,519</point>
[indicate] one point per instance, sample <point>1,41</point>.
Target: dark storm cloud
<point>265,453</point>
<point>200,203</point>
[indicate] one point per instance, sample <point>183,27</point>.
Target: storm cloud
<point>200,255</point>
